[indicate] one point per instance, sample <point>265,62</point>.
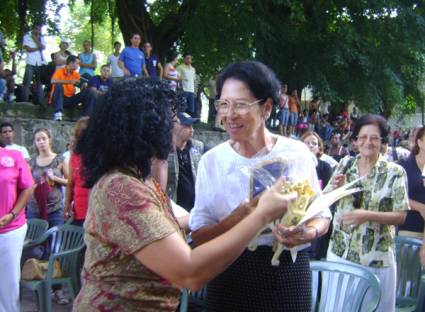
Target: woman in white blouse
<point>247,92</point>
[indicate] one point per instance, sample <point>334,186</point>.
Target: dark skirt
<point>251,283</point>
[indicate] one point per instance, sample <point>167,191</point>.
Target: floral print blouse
<point>125,215</point>
<point>383,190</point>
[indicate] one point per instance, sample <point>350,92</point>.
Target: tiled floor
<point>29,303</point>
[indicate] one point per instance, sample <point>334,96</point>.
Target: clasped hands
<point>292,236</point>
<point>289,236</point>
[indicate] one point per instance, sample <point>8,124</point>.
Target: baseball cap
<point>186,119</point>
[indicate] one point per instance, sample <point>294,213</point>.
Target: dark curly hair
<point>130,125</point>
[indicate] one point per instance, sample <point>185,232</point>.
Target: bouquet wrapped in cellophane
<point>308,204</point>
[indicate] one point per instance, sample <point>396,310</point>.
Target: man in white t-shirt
<point>116,71</point>
<point>34,45</point>
<point>7,136</point>
<point>187,73</point>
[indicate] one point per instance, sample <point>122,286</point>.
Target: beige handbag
<point>35,269</point>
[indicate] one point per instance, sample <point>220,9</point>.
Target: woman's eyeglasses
<point>373,138</point>
<point>239,106</point>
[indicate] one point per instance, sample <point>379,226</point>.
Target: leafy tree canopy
<point>369,51</point>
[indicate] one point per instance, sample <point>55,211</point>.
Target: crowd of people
<point>138,183</point>
<point>57,82</point>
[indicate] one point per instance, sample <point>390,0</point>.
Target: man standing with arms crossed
<point>113,60</point>
<point>188,74</point>
<point>132,60</point>
<point>34,45</point>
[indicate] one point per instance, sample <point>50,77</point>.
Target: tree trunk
<point>92,24</point>
<point>22,12</point>
<point>113,16</point>
<point>133,17</point>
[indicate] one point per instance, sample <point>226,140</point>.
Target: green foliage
<point>78,29</point>
<point>410,104</point>
<point>368,51</point>
<point>9,19</point>
<point>218,33</point>
<point>160,9</point>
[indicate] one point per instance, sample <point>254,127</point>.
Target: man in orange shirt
<point>63,91</point>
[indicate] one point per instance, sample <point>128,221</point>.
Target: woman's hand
<point>66,212</point>
<point>354,218</point>
<point>6,219</point>
<point>339,180</point>
<point>273,204</point>
<point>50,174</point>
<point>294,235</point>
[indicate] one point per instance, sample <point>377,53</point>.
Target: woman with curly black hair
<point>136,255</point>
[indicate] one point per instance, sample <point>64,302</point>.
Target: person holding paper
<point>137,258</point>
<point>246,93</point>
<point>363,225</point>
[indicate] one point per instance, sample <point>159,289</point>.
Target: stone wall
<point>28,117</point>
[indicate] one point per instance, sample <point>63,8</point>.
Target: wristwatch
<point>13,215</point>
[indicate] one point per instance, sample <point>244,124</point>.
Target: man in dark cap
<point>183,162</point>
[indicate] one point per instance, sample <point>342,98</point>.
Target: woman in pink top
<point>76,192</point>
<point>15,189</point>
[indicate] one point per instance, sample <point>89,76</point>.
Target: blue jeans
<point>87,97</point>
<point>2,88</point>
<point>54,218</point>
<point>190,100</point>
<point>284,116</point>
<point>30,72</point>
<point>293,119</point>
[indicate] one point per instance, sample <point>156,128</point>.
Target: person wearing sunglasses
<point>364,223</point>
<point>246,93</point>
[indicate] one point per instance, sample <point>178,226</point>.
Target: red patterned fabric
<point>81,194</point>
<point>124,216</point>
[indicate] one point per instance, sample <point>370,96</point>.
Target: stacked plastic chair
<point>64,244</point>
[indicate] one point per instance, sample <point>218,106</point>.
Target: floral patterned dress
<point>384,190</point>
<point>125,215</point>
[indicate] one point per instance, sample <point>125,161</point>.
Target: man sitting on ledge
<point>100,84</point>
<point>63,90</point>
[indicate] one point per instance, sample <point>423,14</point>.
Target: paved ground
<point>29,303</point>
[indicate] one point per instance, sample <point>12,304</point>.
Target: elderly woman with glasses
<point>247,91</point>
<point>137,258</point>
<point>363,226</point>
<point>324,172</point>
